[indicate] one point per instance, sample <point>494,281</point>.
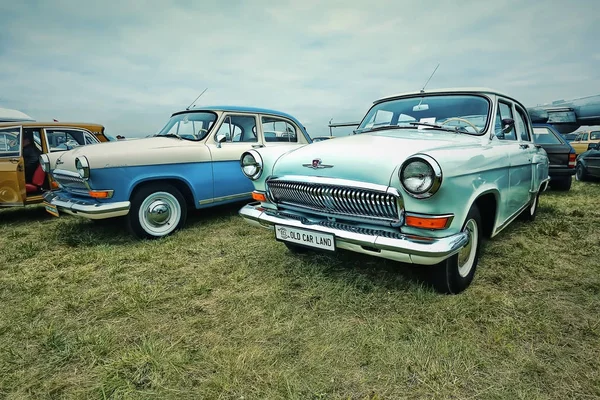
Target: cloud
<point>130,64</point>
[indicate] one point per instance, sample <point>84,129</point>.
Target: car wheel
<point>456,273</point>
<point>562,184</point>
<point>156,211</point>
<point>580,173</point>
<point>530,212</point>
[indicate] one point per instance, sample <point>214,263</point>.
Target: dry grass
<point>222,311</point>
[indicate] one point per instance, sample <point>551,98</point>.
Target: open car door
<point>12,167</point>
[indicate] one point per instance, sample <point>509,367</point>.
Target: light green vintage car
<point>423,178</point>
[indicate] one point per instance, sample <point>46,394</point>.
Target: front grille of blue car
<point>71,182</point>
<point>336,200</point>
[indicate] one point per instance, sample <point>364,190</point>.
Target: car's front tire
<point>456,273</point>
<point>156,211</point>
<point>580,173</point>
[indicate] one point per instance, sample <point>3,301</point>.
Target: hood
<point>120,153</point>
<point>368,157</point>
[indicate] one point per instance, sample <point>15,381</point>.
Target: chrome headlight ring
<point>45,162</point>
<point>420,176</point>
<point>252,164</point>
<point>83,167</point>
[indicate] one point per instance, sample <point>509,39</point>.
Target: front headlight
<point>421,176</point>
<point>45,162</point>
<point>83,167</point>
<point>252,164</point>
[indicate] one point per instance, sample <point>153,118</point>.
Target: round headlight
<point>421,176</point>
<point>252,164</point>
<point>45,162</point>
<point>83,167</point>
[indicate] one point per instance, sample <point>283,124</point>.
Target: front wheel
<point>456,273</point>
<point>156,211</point>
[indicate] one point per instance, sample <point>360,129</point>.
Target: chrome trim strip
<point>428,250</point>
<point>87,209</point>
<point>336,182</point>
<point>223,198</point>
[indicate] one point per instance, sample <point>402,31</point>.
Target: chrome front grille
<point>336,200</point>
<point>70,181</point>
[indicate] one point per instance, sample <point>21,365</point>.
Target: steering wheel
<point>462,120</point>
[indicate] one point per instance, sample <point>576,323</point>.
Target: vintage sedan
<point>560,155</point>
<point>424,178</point>
<point>584,139</point>
<point>192,162</point>
<point>588,163</point>
<point>22,179</point>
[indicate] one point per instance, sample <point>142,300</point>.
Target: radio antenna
<point>193,102</point>
<point>423,90</point>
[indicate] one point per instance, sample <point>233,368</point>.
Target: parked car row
<point>423,179</point>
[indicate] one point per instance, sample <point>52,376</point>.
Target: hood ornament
<point>316,164</point>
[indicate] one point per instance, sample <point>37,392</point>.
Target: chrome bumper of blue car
<point>393,246</point>
<point>87,209</point>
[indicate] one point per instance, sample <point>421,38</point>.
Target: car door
<point>592,160</point>
<point>238,133</point>
<point>520,158</point>
<point>12,170</point>
<point>580,143</point>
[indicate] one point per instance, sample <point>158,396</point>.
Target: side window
<point>521,125</point>
<point>62,139</point>
<point>278,130</point>
<point>584,136</point>
<point>10,142</point>
<point>90,139</point>
<point>239,128</point>
<point>504,111</point>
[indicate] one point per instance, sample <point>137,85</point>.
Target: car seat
<point>37,181</point>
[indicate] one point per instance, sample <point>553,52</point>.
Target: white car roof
<point>9,115</point>
<point>446,90</point>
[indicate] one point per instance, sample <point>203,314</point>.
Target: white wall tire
<point>157,210</point>
<point>455,274</point>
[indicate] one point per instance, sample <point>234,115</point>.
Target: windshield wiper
<point>434,126</point>
<point>382,128</point>
<point>172,135</point>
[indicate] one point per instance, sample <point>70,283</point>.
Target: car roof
<point>447,90</point>
<point>57,124</point>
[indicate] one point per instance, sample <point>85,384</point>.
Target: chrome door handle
<point>524,146</point>
<point>256,146</point>
<point>15,160</point>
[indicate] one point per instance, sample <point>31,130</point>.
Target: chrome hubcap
<point>466,256</point>
<point>158,213</point>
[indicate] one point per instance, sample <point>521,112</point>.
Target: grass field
<point>221,310</point>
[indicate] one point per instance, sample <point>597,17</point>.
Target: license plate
<point>325,241</point>
<point>51,209</point>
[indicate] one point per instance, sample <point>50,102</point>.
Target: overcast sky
<point>130,64</point>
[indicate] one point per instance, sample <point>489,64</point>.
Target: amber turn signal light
<point>101,194</point>
<point>427,223</point>
<point>259,196</point>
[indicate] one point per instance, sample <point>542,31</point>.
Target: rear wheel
<point>157,210</point>
<point>456,273</point>
<point>562,183</point>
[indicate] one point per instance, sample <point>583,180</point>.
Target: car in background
<point>588,163</point>
<point>50,139</point>
<point>569,137</point>
<point>584,139</point>
<point>561,155</point>
<point>193,162</point>
<point>426,176</point>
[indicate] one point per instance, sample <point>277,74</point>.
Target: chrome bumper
<point>87,209</point>
<point>403,248</point>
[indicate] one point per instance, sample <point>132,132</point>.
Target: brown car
<point>22,180</point>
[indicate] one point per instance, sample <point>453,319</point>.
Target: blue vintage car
<point>425,176</point>
<point>192,162</point>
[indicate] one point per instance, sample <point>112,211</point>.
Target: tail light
<point>572,157</point>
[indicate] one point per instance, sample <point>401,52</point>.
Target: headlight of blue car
<point>83,167</point>
<point>252,164</point>
<point>421,176</point>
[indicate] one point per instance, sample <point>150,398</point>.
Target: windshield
<point>455,113</point>
<point>191,126</point>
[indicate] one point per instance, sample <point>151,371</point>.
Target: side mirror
<point>221,137</point>
<point>507,125</point>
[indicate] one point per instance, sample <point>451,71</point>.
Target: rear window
<point>595,135</point>
<point>545,136</point>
